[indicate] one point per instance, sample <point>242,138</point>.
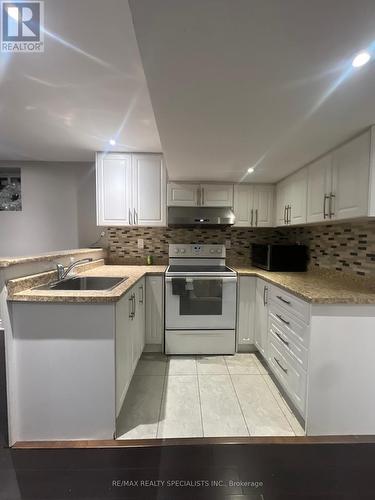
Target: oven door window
<point>199,297</point>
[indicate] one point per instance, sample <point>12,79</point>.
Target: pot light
<point>112,142</point>
<point>361,59</point>
<point>250,170</point>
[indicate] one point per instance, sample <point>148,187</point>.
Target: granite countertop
<point>318,287</point>
<point>27,294</point>
<point>12,261</point>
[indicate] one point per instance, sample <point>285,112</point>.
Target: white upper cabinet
<point>113,189</point>
<point>217,195</point>
<point>183,195</point>
<point>350,179</point>
<point>319,181</point>
<point>130,189</point>
<point>298,196</point>
<point>253,205</point>
<point>148,190</point>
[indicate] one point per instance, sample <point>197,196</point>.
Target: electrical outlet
<point>228,244</point>
<point>141,243</point>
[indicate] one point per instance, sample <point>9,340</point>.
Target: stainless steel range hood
<point>200,216</point>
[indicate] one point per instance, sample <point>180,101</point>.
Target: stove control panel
<point>196,250</point>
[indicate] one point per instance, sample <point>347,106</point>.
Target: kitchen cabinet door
<point>123,348</point>
<point>246,308</point>
<point>350,180</point>
<point>149,190</point>
<point>263,206</point>
<point>282,201</point>
<point>319,182</point>
<point>182,195</point>
<point>113,189</point>
<point>298,197</point>
<point>243,205</point>
<point>261,316</point>
<point>217,195</point>
<point>155,312</point>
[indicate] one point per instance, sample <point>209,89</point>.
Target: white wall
<point>52,213</point>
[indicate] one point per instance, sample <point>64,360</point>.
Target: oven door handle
<point>226,279</point>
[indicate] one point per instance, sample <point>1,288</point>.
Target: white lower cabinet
<point>154,313</point>
<point>261,316</point>
<point>130,338</point>
<point>245,311</point>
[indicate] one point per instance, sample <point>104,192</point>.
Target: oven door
<point>201,302</point>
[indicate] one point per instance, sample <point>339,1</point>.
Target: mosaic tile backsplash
<point>340,247</point>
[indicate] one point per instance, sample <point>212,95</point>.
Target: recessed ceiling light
<point>250,170</point>
<point>112,142</point>
<point>361,59</point>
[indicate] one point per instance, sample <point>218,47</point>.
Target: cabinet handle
<point>131,307</point>
<point>282,319</point>
<point>130,217</point>
<point>252,217</point>
<point>285,370</point>
<point>280,337</point>
<point>289,214</point>
<point>285,219</point>
<point>331,212</point>
<point>326,197</point>
<point>199,197</point>
<point>256,217</point>
<point>202,195</point>
<point>283,300</point>
<point>265,295</point>
<point>141,297</point>
<point>135,217</point>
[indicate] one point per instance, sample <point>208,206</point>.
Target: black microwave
<point>279,257</point>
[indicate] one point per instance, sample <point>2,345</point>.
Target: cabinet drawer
<point>296,330</point>
<point>298,307</point>
<point>297,352</point>
<point>291,376</point>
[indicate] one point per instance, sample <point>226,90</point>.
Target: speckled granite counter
<point>318,287</point>
<point>49,256</point>
<point>133,273</point>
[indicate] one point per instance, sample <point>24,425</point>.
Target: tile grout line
<point>283,412</point>
<point>199,396</point>
<point>238,399</point>
<point>162,397</point>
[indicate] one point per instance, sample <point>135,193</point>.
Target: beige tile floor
<point>204,396</point>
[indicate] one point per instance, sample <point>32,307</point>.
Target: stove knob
<point>218,250</point>
<point>182,250</point>
<point>177,250</point>
<point>212,250</point>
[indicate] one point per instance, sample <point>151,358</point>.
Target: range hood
<point>200,216</point>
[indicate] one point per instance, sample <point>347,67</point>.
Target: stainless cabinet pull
<point>131,307</point>
<point>265,295</point>
<point>252,217</point>
<point>285,370</point>
<point>285,220</point>
<point>282,340</point>
<point>202,194</point>
<point>141,297</point>
<point>199,197</point>
<point>130,217</point>
<point>135,217</point>
<point>289,214</point>
<point>331,198</point>
<point>283,300</point>
<point>256,217</point>
<point>282,319</point>
<point>326,197</point>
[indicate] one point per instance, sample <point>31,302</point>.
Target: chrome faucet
<point>62,273</point>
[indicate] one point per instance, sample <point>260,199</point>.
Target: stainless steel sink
<point>84,283</point>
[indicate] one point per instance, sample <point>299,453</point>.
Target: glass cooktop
<point>198,269</point>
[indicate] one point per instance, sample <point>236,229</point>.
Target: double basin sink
<point>84,283</point>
